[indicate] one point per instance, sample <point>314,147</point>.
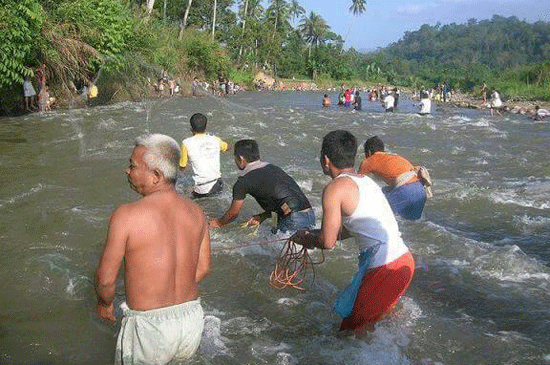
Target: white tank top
<point>373,224</point>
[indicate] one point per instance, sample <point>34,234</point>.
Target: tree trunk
<point>244,23</point>
<point>184,24</point>
<point>150,4</point>
<point>214,19</point>
<point>164,11</point>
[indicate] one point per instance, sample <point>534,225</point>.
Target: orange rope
<point>292,266</point>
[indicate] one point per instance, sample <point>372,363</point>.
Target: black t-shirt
<point>271,187</point>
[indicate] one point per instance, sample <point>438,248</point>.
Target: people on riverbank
<point>202,152</point>
<point>164,242</point>
<point>44,99</point>
<point>540,113</point>
<point>91,93</point>
<point>354,206</point>
<point>404,191</point>
<point>29,94</point>
<point>274,190</point>
<point>496,105</point>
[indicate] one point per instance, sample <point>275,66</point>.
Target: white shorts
<point>160,335</point>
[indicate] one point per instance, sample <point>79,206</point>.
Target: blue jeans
<point>407,200</point>
<point>296,221</point>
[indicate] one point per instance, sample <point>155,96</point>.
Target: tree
<point>184,23</point>
<point>313,28</point>
<point>214,12</point>
<point>357,7</point>
<point>150,5</point>
<point>20,27</point>
<point>295,10</point>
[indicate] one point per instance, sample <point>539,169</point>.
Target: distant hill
<point>497,43</point>
<point>465,55</point>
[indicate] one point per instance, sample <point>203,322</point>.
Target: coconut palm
<point>278,14</point>
<point>295,10</point>
<point>358,7</point>
<point>314,28</point>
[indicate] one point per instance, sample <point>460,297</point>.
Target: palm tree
<point>277,12</point>
<point>314,29</point>
<point>295,10</point>
<point>358,7</point>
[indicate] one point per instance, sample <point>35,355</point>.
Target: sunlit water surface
<point>480,295</point>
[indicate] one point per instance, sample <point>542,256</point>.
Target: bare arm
<point>331,224</point>
<point>203,265</point>
<point>109,264</point>
<point>230,214</point>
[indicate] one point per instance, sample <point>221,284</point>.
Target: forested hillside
<point>129,43</point>
<point>500,50</point>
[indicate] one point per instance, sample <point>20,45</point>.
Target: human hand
<point>305,238</point>
<point>214,223</point>
<point>255,220</point>
<point>106,311</point>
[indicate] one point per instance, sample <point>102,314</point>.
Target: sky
<point>386,21</point>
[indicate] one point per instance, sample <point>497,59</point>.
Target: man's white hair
<point>162,154</point>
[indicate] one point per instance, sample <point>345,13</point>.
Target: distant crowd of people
<point>43,101</point>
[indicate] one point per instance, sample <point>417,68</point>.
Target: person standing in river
<point>354,206</point>
<point>273,189</point>
<point>164,242</point>
<point>404,191</point>
<point>202,152</point>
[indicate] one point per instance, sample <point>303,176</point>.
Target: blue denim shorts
<point>295,221</point>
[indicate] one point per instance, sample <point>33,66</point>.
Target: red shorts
<point>380,290</point>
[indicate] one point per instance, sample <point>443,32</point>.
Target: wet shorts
<point>160,335</point>
<point>407,200</point>
<point>380,291</point>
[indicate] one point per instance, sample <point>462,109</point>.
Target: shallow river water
<point>481,291</point>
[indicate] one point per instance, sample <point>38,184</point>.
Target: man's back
<point>203,152</point>
<point>165,236</point>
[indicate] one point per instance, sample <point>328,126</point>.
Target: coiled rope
<point>292,267</point>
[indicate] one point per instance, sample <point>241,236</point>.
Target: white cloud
<point>410,9</point>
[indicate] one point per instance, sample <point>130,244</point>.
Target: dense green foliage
<point>20,26</point>
<point>129,44</point>
<point>502,51</point>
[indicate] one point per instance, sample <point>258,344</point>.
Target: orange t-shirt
<point>386,166</point>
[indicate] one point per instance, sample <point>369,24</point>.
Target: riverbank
<point>114,90</point>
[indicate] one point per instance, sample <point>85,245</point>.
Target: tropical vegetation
<point>129,42</point>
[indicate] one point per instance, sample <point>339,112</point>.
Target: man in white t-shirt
<point>202,152</point>
<point>389,102</point>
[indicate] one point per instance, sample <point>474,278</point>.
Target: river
<point>481,291</point>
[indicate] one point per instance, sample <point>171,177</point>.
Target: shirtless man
<point>164,242</point>
<point>354,206</point>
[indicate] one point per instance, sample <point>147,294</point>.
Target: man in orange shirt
<point>405,192</point>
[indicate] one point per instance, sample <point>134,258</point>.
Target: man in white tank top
<point>355,206</point>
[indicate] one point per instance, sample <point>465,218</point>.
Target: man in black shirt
<point>272,188</point>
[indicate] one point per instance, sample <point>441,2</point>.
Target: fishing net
<point>293,266</point>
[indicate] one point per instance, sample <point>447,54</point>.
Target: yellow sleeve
<point>183,157</point>
<point>223,145</point>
